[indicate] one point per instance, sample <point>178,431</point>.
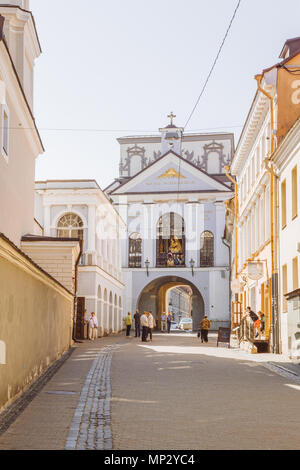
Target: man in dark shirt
<point>137,322</point>
<point>252,315</point>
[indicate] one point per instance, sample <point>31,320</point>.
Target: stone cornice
<point>17,95</point>
<point>101,272</point>
<point>19,18</point>
<point>257,115</point>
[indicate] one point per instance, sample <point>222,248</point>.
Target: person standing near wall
<point>137,323</point>
<point>163,320</point>
<point>93,327</point>
<point>144,325</point>
<point>252,314</point>
<point>128,323</point>
<point>151,324</point>
<point>169,321</point>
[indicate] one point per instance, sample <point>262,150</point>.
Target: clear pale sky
<point>123,65</point>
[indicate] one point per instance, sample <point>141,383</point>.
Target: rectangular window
<point>267,214</point>
<point>248,178</point>
<point>263,147</point>
<point>283,204</point>
<point>284,288</point>
<point>5,132</point>
<point>257,161</point>
<point>256,227</point>
<point>4,135</point>
<point>295,273</point>
<point>241,258</point>
<point>294,193</point>
<point>262,220</point>
<point>249,238</point>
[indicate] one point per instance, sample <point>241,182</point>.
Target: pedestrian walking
<point>203,329</point>
<point>163,320</point>
<point>151,324</point>
<point>128,323</point>
<point>144,325</point>
<point>93,327</point>
<point>169,322</point>
<point>86,323</point>
<point>137,324</point>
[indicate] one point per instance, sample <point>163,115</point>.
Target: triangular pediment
<point>171,173</point>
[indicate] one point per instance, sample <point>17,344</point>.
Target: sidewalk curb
<point>283,371</point>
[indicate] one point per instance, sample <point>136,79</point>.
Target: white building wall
<point>289,238</point>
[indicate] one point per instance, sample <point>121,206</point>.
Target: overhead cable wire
<point>108,131</point>
<point>214,64</point>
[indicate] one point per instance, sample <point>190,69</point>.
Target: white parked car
<point>186,324</point>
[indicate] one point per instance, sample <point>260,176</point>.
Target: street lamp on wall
<point>192,264</point>
<point>147,264</point>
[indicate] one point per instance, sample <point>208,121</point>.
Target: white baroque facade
<point>171,192</point>
<point>79,209</point>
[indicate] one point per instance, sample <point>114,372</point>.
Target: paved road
<point>173,393</point>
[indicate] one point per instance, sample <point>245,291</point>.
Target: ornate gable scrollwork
<point>189,155</point>
<point>213,147</point>
<point>133,151</point>
<point>157,155</point>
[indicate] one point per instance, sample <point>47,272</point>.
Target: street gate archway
<point>154,297</point>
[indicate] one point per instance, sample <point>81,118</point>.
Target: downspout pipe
<point>269,168</point>
<point>235,218</point>
<point>228,245</point>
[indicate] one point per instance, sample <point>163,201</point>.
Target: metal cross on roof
<point>172,116</point>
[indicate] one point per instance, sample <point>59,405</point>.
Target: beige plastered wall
<point>36,316</point>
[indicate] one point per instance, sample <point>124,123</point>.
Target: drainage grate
<point>60,392</point>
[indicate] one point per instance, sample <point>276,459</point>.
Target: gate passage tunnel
<point>156,297</point>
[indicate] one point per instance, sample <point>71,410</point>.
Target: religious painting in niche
<point>70,226</point>
<point>135,251</point>
<point>207,250</point>
<point>170,241</point>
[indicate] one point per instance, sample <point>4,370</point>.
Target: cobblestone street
<point>173,393</point>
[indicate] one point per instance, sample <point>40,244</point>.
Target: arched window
<point>135,251</point>
<point>99,293</point>
<point>207,250</point>
<point>170,251</point>
<point>70,226</point>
